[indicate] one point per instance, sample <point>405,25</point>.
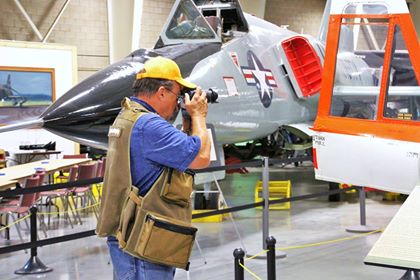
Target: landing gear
<point>206,202</point>
<point>334,197</point>
<point>207,199</point>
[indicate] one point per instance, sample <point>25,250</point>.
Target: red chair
<point>99,168</point>
<point>75,156</point>
<point>63,176</point>
<point>63,195</point>
<point>73,173</point>
<point>104,160</point>
<point>102,173</point>
<point>41,174</point>
<point>84,193</point>
<point>26,201</point>
<point>16,200</point>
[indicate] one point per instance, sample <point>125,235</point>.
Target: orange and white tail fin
<point>368,122</point>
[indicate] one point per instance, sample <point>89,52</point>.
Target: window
<point>188,23</point>
<point>359,64</point>
<point>403,96</point>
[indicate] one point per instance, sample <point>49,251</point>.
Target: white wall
<point>120,27</point>
<point>60,57</point>
<point>254,7</point>
<point>415,14</point>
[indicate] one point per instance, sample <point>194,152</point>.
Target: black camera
<point>211,95</point>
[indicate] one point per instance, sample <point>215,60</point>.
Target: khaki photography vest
<point>156,227</point>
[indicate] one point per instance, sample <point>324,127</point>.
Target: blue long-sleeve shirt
<point>156,144</point>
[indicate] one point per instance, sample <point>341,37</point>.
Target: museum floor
<point>307,222</point>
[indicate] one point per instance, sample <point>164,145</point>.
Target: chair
<point>26,201</point>
<point>41,175</point>
<point>40,172</point>
<point>84,193</point>
<point>63,175</point>
<point>103,166</point>
<point>99,165</point>
<point>75,156</point>
<point>13,201</point>
<point>63,195</point>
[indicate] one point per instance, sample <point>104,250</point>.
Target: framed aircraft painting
<point>25,92</point>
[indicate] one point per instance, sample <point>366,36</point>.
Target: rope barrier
<point>15,222</point>
<point>79,183</point>
<point>50,187</point>
<point>316,244</point>
<point>252,163</point>
<point>250,272</point>
<point>77,210</point>
<point>271,201</point>
<point>305,246</point>
<point>329,241</point>
<point>256,255</point>
<point>45,242</point>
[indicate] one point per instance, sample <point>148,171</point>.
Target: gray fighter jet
<point>267,79</point>
<point>7,93</point>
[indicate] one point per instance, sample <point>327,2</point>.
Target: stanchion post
<point>362,228</point>
<point>34,265</point>
<point>271,258</point>
<point>362,201</point>
<point>239,259</point>
<point>34,230</point>
<point>265,194</point>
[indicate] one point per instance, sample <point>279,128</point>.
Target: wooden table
<point>7,184</point>
<point>11,175</point>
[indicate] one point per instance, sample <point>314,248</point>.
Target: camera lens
<point>211,95</point>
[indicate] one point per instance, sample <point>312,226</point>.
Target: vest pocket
<point>128,215</point>
<point>165,241</point>
<point>177,188</point>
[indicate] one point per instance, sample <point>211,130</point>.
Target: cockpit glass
<point>188,23</point>
<point>370,9</point>
<point>359,65</point>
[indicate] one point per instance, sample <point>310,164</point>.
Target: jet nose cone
<point>84,113</point>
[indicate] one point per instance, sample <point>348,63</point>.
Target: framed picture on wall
<point>25,92</point>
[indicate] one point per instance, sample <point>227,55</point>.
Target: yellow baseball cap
<point>163,68</point>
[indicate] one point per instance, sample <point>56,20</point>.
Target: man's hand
<point>186,122</point>
<point>197,106</point>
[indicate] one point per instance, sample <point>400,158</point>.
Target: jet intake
<point>303,64</point>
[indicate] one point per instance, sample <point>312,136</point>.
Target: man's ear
<point>161,92</point>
